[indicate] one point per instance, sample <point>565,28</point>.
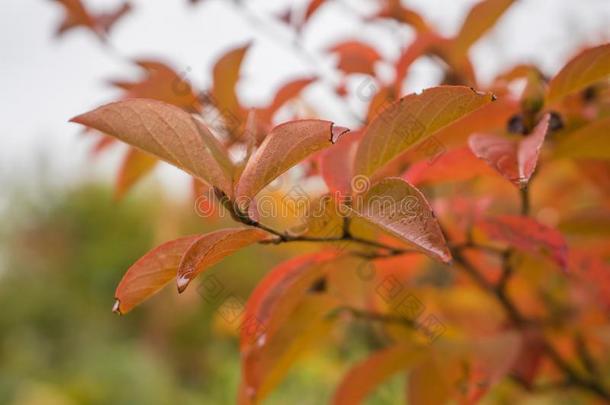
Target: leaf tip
<point>337,132</point>
<point>182,282</point>
<point>116,308</point>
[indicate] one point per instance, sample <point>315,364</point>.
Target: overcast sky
<point>45,81</point>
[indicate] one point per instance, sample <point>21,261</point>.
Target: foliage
<point>408,194</point>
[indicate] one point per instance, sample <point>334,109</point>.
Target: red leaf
<point>150,273</point>
<point>515,160</point>
<point>527,234</point>
<point>455,165</point>
<point>211,248</point>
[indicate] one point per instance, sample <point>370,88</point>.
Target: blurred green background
<point>63,252</point>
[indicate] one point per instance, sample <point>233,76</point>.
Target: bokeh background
<point>65,242</point>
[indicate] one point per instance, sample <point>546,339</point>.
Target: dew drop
<point>116,307</point>
<point>182,283</point>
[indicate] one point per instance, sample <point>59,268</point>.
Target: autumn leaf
<point>528,235</point>
<point>312,8</point>
<point>422,44</point>
<point>337,164</point>
<point>76,15</point>
<point>482,17</point>
<point>210,248</point>
<point>455,165</point>
<point>150,273</point>
<point>364,377</point>
<point>285,146</point>
<point>225,76</point>
<point>411,120</point>
<point>356,57</point>
<point>280,291</point>
<point>588,142</point>
<point>395,10</point>
<point>265,364</point>
<point>470,368</point>
<point>136,164</point>
<point>167,132</point>
<point>286,92</point>
<point>400,209</point>
<point>585,69</point>
<point>516,160</point>
<point>161,82</point>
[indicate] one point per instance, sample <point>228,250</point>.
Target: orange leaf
<point>362,379</point>
<point>527,234</point>
<point>167,132</point>
<point>394,9</point>
<point>356,57</point>
<point>78,16</point>
<point>212,248</point>
<point>586,68</point>
<point>161,83</point>
<point>265,364</point>
<point>285,146</point>
<point>479,20</point>
<point>411,120</point>
<point>312,7</point>
<point>277,294</point>
<point>150,273</point>
<point>588,142</point>
<point>397,207</point>
<point>287,92</point>
<point>515,160</point>
<point>136,165</point>
<point>225,77</point>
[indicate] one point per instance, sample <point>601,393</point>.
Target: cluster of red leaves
<point>483,133</point>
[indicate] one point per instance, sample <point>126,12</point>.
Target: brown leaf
<point>167,132</point>
<point>76,15</point>
<point>400,209</point>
